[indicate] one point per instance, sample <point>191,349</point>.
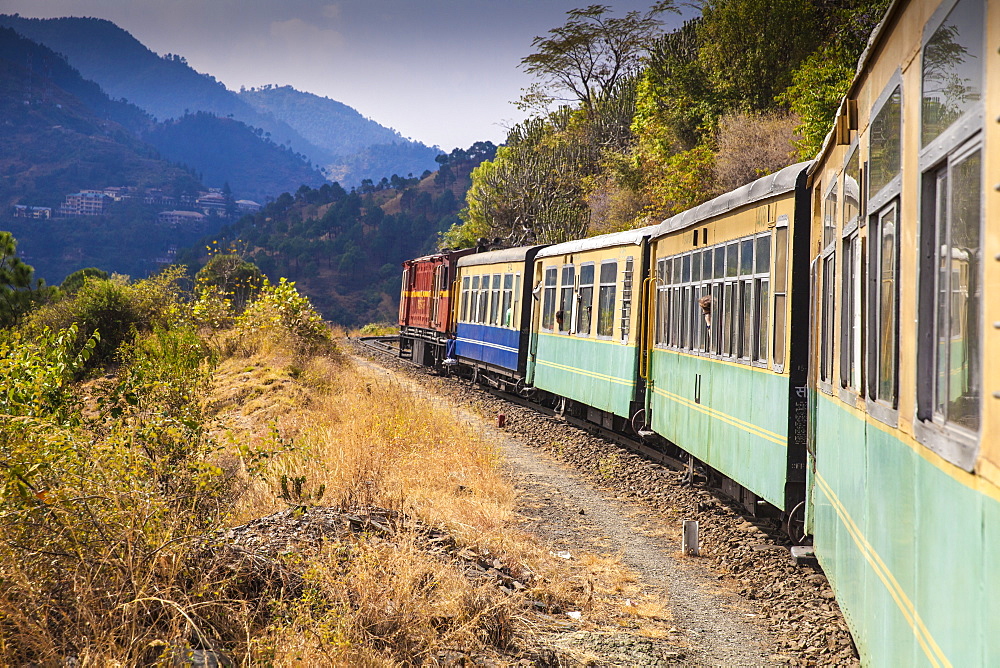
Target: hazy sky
<point>440,71</point>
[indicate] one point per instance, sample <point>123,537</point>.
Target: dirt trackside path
<point>708,624</point>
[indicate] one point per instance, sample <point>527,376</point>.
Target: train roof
<point>782,181</point>
<point>603,241</point>
<point>518,254</point>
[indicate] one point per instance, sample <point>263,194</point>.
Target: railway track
<point>389,345</point>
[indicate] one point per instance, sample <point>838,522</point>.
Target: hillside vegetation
<point>187,481</point>
<point>344,249</point>
<point>630,125</point>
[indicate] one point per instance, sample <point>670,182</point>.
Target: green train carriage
<point>726,363</point>
<point>904,468</point>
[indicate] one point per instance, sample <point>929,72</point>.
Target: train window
<point>763,254</point>
<point>883,329</point>
<point>780,285</point>
<point>484,300</point>
<point>746,320</point>
<point>463,317</point>
<point>507,303</point>
<point>686,319</point>
<point>951,308</point>
<point>720,262</point>
<point>676,271</point>
<point>826,320</point>
<point>760,309</point>
<point>517,302</point>
<point>626,322</point>
<point>495,301</point>
<point>695,267</point>
<point>729,319</point>
<point>850,323</point>
<point>952,69</point>
<point>474,300</point>
<point>606,298</point>
<point>686,268</point>
<point>564,316</point>
<point>549,300</point>
<point>746,257</point>
<point>585,300</point>
<point>884,143</point>
<point>713,318</point>
<point>732,259</point>
<point>404,294</point>
<point>852,188</point>
<point>830,214</point>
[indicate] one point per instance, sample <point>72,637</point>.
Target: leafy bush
<point>280,311</point>
<point>114,307</point>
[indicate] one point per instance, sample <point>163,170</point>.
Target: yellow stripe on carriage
<point>725,417</point>
<point>924,637</point>
<point>588,374</point>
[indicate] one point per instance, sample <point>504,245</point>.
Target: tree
<point>18,293</point>
<point>232,276</point>
<point>589,54</point>
<point>75,281</point>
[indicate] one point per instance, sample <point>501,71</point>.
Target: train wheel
<point>795,525</point>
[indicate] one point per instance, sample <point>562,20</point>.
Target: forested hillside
<point>630,125</point>
<point>60,133</point>
<point>344,249</point>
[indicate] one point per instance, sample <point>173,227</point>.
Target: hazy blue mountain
<point>167,87</point>
<point>60,133</point>
<point>332,135</point>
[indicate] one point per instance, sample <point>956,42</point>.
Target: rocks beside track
<point>749,556</point>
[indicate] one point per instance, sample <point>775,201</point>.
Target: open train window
<point>495,301</point>
<point>507,303</point>
<point>585,299</point>
<point>549,300</point>
<point>564,316</point>
<point>606,298</point>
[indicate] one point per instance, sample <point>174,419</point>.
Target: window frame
<point>602,286</point>
<point>580,306</point>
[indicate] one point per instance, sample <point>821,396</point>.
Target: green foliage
<point>231,276</point>
<point>114,308</point>
<point>818,86</point>
<point>682,181</point>
<point>750,48</point>
<point>280,310</point>
<point>75,281</point>
<point>18,293</point>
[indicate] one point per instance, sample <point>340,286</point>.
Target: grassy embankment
<point>116,492</point>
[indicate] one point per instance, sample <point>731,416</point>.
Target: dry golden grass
<point>368,439</point>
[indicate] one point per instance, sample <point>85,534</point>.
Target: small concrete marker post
<point>689,538</point>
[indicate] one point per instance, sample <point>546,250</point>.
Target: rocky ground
<point>742,602</point>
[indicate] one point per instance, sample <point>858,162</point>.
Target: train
<point>819,340</point>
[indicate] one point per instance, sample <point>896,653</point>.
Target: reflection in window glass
<point>830,216</point>
<point>585,302</point>
<point>952,69</point>
<point>549,299</point>
<point>686,269</point>
<point>606,299</point>
<point>959,360</point>
<point>884,144</point>
<point>720,261</point>
<point>883,330</point>
<point>746,319</point>
<point>852,186</point>
<point>732,259</point>
<point>695,267</point>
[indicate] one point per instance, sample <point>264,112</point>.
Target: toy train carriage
<point>425,306</point>
<point>586,325</point>
<point>494,311</point>
<point>905,473</point>
<point>727,365</point>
